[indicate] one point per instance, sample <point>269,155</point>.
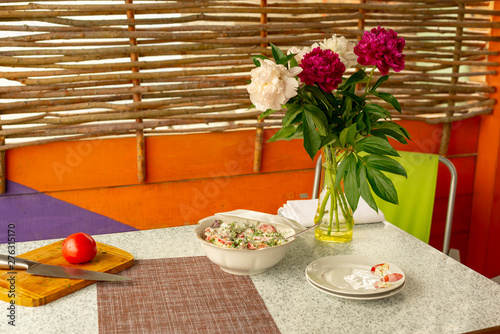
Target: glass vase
<point>334,213</point>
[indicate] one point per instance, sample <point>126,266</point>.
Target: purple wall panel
<point>38,216</point>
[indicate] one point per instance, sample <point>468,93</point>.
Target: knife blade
<point>37,268</point>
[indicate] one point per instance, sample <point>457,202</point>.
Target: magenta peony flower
<point>381,48</point>
<point>322,67</point>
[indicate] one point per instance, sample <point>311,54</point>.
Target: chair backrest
<point>416,194</point>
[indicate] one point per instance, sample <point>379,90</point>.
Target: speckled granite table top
<point>440,296</point>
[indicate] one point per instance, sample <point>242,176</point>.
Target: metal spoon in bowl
<point>301,232</point>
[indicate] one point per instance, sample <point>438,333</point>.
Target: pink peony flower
<point>322,67</point>
<point>381,48</point>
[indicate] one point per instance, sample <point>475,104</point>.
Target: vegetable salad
<point>243,235</point>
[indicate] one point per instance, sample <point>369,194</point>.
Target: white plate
<point>350,274</point>
<point>359,297</point>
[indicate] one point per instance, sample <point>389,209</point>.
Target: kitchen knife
<point>37,268</point>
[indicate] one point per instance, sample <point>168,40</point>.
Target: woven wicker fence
<point>81,69</point>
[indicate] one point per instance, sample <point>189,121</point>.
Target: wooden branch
<point>86,75</point>
<point>439,120</point>
<point>103,133</point>
<point>259,134</point>
<point>3,170</point>
<point>137,76</point>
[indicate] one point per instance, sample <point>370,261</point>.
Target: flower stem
<point>346,211</point>
<point>321,211</point>
<point>369,79</point>
<point>331,165</point>
<point>333,208</point>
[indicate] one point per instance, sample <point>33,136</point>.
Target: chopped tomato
<point>267,228</point>
<point>392,277</point>
<point>380,269</point>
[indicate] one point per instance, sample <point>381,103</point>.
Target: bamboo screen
<point>81,69</point>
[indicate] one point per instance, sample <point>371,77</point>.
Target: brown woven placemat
<point>182,295</point>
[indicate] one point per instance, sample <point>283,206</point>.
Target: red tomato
<point>79,248</point>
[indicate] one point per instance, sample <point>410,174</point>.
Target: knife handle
<point>12,262</point>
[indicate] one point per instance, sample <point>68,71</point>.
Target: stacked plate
<point>355,277</point>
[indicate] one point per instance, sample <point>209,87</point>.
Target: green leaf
<point>321,96</point>
<point>360,124</point>
<point>406,133</point>
<point>346,106</point>
<point>341,170</point>
<point>390,125</point>
<point>284,61</point>
<point>283,133</point>
<point>364,188</point>
<point>312,140</point>
<point>394,127</point>
<point>368,123</point>
<point>375,109</point>
<point>375,145</point>
<point>383,133</point>
<point>331,138</point>
<point>318,118</point>
<point>347,135</point>
<point>256,61</point>
<point>336,124</point>
<point>291,114</point>
<point>277,53</point>
<point>384,163</point>
<point>351,182</point>
<point>355,78</point>
<point>293,62</point>
<point>379,82</point>
<point>351,134</point>
<point>298,134</point>
<point>389,98</point>
<point>382,186</point>
<point>267,113</point>
<point>352,96</point>
<point>334,102</point>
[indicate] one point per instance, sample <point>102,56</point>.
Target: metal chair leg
<point>317,179</point>
<point>451,203</point>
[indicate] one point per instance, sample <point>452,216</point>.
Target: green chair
<point>416,195</point>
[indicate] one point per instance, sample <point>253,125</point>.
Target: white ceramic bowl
<point>243,261</point>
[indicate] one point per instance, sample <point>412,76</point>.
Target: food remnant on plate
<point>243,235</point>
<point>386,280</point>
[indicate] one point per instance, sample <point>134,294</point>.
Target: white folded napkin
<point>262,217</point>
<point>303,211</point>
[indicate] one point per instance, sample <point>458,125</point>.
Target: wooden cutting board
<point>33,290</point>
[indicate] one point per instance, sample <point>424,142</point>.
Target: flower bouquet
<point>324,109</point>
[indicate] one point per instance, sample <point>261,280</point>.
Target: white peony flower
<point>272,85</point>
<point>297,53</point>
<point>300,53</point>
<point>343,48</point>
